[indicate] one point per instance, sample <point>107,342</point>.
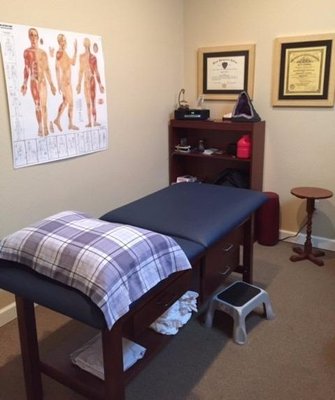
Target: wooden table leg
<point>29,348</point>
<point>307,252</point>
<point>113,363</point>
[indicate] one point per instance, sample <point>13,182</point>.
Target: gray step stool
<point>238,300</point>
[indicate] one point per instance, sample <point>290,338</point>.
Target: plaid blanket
<point>113,264</point>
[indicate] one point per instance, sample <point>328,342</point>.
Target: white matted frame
<point>303,72</point>
<point>226,71</point>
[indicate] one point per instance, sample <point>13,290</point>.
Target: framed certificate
<point>224,72</point>
<point>303,71</point>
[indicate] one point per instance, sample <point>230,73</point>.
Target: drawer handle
<point>228,268</point>
<point>228,247</point>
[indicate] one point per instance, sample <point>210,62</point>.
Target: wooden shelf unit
<point>215,134</point>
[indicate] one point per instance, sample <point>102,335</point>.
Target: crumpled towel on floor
<point>177,315</point>
<point>89,357</point>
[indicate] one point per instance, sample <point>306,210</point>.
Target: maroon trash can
<point>267,221</point>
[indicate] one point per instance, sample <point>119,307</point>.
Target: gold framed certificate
<point>303,71</point>
<point>226,71</point>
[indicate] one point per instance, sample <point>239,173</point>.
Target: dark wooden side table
<point>310,194</point>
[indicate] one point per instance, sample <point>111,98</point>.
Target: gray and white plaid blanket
<point>113,264</point>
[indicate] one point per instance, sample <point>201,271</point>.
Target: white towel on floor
<point>89,357</point>
<point>177,315</point>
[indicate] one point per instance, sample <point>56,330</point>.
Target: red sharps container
<point>244,147</point>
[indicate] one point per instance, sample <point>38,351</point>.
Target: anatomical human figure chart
<point>56,93</point>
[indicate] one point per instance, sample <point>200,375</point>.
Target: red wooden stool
<point>267,221</point>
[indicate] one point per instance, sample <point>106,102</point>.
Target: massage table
<point>208,222</point>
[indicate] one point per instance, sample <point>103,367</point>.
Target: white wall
<point>300,142</point>
<point>143,51</point>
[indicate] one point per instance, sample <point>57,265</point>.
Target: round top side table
<point>310,194</point>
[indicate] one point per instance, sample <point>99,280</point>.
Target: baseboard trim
<point>7,314</point>
<point>317,241</point>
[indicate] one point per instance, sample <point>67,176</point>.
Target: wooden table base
<point>310,255</point>
<point>307,252</point>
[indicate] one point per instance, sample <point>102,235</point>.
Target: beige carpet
<point>289,358</point>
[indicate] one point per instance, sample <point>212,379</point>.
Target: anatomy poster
<point>56,93</point>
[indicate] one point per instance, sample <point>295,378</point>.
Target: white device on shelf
<point>186,178</point>
<point>184,149</point>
